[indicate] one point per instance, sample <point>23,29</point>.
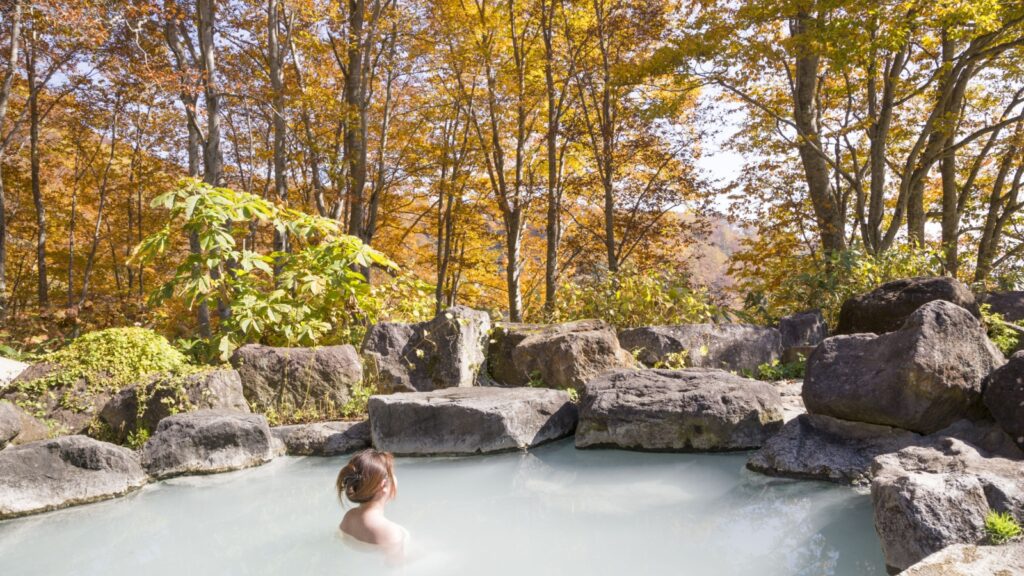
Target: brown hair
<point>360,480</point>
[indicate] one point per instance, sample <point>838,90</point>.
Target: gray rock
<point>72,408</point>
<point>10,369</point>
<point>1009,304</point>
<point>556,355</point>
<point>18,426</point>
<point>215,389</point>
<point>207,442</point>
<point>448,351</point>
<point>923,377</point>
<point>972,560</point>
<point>66,471</point>
<point>792,400</point>
<point>1004,397</point>
<point>885,308</point>
<point>324,438</point>
<point>477,420</point>
<point>928,498</point>
<point>820,447</point>
<point>677,410</point>
<point>299,377</point>
<point>806,329</point>
<point>735,347</point>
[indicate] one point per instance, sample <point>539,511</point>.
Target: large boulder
<point>324,438</point>
<point>475,420</point>
<point>1009,304</point>
<point>207,442</point>
<point>144,405</point>
<point>66,471</point>
<point>923,377</point>
<point>736,347</point>
<point>804,329</point>
<point>887,307</point>
<point>319,377</point>
<point>1004,396</point>
<point>972,560</point>
<point>448,351</point>
<point>820,447</point>
<point>927,498</point>
<point>677,410</point>
<point>72,408</point>
<point>18,426</point>
<point>10,369</point>
<point>555,355</point>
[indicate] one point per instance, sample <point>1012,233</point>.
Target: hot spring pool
<point>555,510</point>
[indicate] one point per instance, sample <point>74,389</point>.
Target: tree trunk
<point>828,212</point>
<point>355,126</point>
<point>43,286</point>
<point>5,95</point>
<point>275,59</point>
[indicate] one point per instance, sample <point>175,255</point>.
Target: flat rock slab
<point>922,377</point>
<point>10,369</point>
<point>820,447</point>
<point>324,438</point>
<point>972,560</point>
<point>207,442</point>
<point>726,346</point>
<point>66,471</point>
<point>693,410</point>
<point>928,498</point>
<point>462,421</point>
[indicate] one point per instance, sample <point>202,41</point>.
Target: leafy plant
<point>358,399</point>
<point>999,332</point>
<point>309,295</point>
<point>574,395</point>
<point>775,370</point>
<point>1001,527</point>
<point>673,360</point>
<point>631,299</point>
<point>137,438</point>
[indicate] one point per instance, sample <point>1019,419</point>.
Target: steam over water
<point>553,511</point>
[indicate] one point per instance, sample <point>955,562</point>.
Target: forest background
<point>219,170</point>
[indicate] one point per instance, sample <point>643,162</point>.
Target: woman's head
<point>369,475</point>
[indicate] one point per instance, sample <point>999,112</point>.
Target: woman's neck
<point>373,507</point>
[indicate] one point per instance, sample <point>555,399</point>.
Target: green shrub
<point>358,399</point>
<point>1001,527</point>
<point>673,360</point>
<point>631,298</point>
<point>1004,337</point>
<point>775,370</point>
<point>310,295</point>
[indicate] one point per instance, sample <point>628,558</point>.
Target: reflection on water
<point>553,511</point>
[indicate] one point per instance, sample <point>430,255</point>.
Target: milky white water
<point>553,511</point>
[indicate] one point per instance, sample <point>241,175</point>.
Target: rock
<point>795,354</point>
<point>677,410</point>
<point>1004,397</point>
<point>66,471</point>
<point>972,560</point>
<point>448,351</point>
<point>10,369</point>
<point>555,355</point>
<point>318,377</point>
<point>1009,304</point>
<point>475,420</point>
<point>804,329</point>
<point>885,308</point>
<point>324,438</point>
<point>927,498</point>
<point>792,399</point>
<point>923,377</point>
<point>207,442</point>
<point>216,389</point>
<point>736,347</point>
<point>820,447</point>
<point>18,426</point>
<point>72,408</point>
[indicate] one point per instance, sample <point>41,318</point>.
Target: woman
<point>369,481</point>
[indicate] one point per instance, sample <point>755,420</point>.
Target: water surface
<point>555,510</point>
